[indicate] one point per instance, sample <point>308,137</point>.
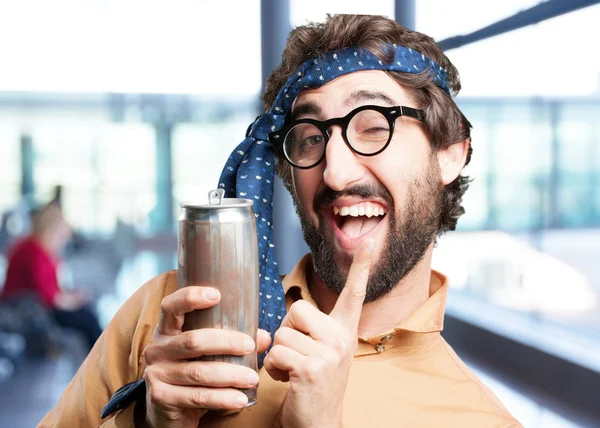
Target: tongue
<point>357,226</point>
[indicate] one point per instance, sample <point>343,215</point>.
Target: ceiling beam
<point>536,14</point>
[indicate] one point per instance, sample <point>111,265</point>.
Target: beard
<point>412,230</point>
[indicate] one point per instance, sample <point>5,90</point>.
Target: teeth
<point>359,210</point>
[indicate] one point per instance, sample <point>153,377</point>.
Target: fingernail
<point>370,245</point>
<point>241,400</point>
<point>248,345</point>
<point>253,378</point>
<point>211,294</point>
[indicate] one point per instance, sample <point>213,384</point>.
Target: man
<point>371,147</point>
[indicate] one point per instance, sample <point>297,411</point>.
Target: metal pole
<point>554,178</point>
<point>27,161</point>
<point>275,29</point>
<point>163,213</point>
<point>405,13</point>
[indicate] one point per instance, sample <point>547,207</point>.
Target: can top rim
<point>226,203</point>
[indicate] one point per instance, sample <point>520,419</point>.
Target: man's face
<point>402,185</point>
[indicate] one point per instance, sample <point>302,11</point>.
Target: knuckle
<point>165,304</point>
<point>189,297</point>
<point>313,370</point>
<point>149,353</point>
<point>340,347</point>
<point>299,306</point>
<point>199,397</point>
<point>150,373</point>
<point>191,341</point>
<point>196,373</point>
<point>358,295</point>
<point>280,335</point>
<point>295,308</point>
<point>276,350</point>
<point>274,354</point>
<point>156,394</point>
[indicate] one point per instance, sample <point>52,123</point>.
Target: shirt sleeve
<point>116,359</point>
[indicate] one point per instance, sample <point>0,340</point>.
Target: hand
<point>179,391</point>
<point>70,300</point>
<point>314,352</point>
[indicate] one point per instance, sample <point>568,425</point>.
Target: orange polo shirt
<point>404,377</point>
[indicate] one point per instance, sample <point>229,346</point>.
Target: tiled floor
<point>35,387</point>
<point>32,391</point>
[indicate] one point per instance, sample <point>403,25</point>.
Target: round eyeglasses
<point>367,130</point>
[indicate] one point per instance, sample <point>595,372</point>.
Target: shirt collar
<point>427,318</point>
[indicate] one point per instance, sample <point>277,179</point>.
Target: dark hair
<point>444,122</point>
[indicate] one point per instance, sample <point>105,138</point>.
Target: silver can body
<point>217,247</point>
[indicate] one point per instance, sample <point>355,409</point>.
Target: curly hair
<point>444,122</point>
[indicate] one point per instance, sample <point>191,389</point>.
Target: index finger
<point>348,307</point>
<point>174,307</point>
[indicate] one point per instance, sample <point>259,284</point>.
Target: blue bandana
<point>250,169</point>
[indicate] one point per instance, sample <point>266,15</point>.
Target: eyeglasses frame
<point>390,113</point>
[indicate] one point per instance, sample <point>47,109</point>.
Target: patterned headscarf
<point>250,169</point>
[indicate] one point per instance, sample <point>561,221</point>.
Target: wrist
<point>321,423</point>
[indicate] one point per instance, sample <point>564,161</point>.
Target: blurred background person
<point>33,272</point>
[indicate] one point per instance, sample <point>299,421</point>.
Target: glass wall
<point>90,130</point>
<point>526,250</point>
<point>535,164</point>
<point>195,144</point>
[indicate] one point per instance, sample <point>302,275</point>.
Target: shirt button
<point>386,337</point>
<point>379,347</point>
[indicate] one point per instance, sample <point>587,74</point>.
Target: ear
<point>452,160</point>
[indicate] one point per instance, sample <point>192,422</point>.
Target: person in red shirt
<point>32,271</point>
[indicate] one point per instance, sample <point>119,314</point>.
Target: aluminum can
<point>217,247</point>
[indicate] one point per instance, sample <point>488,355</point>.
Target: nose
<point>342,166</point>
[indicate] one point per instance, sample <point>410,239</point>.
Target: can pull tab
<point>215,197</point>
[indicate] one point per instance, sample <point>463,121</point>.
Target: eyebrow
<point>362,96</point>
<point>309,108</point>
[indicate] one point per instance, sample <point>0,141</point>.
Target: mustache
<point>365,191</point>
